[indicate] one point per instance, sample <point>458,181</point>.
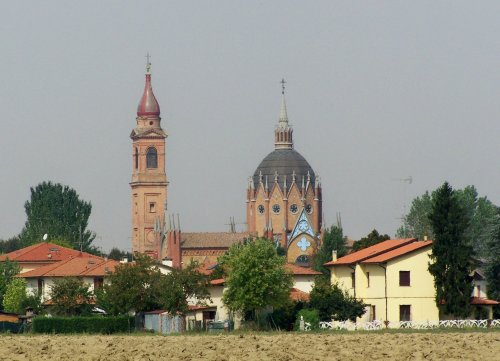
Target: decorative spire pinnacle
<point>260,176</point>
<point>283,121</point>
<point>148,105</point>
<point>283,132</point>
<point>275,176</point>
<point>266,184</point>
<point>284,183</point>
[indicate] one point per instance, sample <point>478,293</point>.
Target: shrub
<point>103,325</point>
<point>310,315</point>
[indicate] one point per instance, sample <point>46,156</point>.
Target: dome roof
<point>285,162</point>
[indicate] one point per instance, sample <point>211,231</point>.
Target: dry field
<point>259,346</point>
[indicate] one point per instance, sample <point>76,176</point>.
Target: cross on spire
<point>283,82</point>
<point>148,63</point>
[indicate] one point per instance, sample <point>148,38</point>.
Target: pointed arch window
<point>152,158</point>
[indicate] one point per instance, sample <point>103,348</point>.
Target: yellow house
<point>392,279</point>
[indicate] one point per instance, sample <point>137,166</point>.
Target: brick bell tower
<point>149,180</point>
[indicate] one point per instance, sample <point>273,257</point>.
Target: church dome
<point>148,105</point>
<point>284,162</point>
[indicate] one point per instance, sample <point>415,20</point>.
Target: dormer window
<point>152,158</point>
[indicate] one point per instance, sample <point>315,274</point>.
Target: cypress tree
<point>451,260</point>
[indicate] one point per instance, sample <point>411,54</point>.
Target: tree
<point>482,213</point>
<point>492,265</point>
<point>57,210</point>
<point>118,254</point>
<point>132,287</point>
<point>70,296</point>
<point>371,239</point>
<point>8,270</point>
<point>10,245</point>
<point>451,259</point>
<point>333,240</point>
<point>15,296</point>
<point>416,223</point>
<point>180,285</point>
<point>334,303</point>
<point>256,277</point>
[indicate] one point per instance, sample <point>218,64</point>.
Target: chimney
<point>334,255</point>
<point>124,260</point>
<point>425,238</point>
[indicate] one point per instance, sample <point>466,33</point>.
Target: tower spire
<point>148,105</point>
<point>283,132</point>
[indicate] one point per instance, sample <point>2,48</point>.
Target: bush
<point>310,315</point>
<point>104,325</point>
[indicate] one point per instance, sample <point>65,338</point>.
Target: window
<point>353,279</point>
<point>478,291</point>
<point>368,280</point>
<point>373,316</point>
<point>405,312</point>
<point>40,286</point>
<point>136,156</point>
<point>303,260</point>
<point>98,282</point>
<point>152,207</point>
<point>152,158</point>
<point>404,278</point>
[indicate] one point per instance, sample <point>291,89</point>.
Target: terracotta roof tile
<point>74,267</point>
<point>372,251</point>
<point>386,256</point>
<point>298,295</point>
<point>43,252</point>
<point>212,239</point>
<point>297,270</point>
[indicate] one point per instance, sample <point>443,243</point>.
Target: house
<point>92,270</point>
<point>392,278</point>
<point>42,254</point>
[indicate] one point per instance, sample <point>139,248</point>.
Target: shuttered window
<point>404,278</point>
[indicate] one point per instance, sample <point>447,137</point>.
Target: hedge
<point>103,325</point>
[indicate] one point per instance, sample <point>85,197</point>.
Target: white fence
<point>415,325</point>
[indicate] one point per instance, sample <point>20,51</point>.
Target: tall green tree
<point>334,303</point>
<point>333,240</point>
<point>492,265</point>
<point>451,260</point>
<point>8,270</point>
<point>416,224</point>
<point>57,210</point>
<point>256,277</point>
<point>181,285</point>
<point>482,213</point>
<point>371,239</point>
<point>15,296</point>
<point>70,296</point>
<point>132,287</point>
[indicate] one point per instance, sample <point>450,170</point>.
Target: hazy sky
<point>377,91</point>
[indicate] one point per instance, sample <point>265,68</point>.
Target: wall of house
<point>480,288</point>
<point>304,283</point>
<point>341,274</point>
<point>48,282</point>
<point>222,313</point>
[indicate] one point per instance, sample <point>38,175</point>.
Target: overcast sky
<point>377,91</point>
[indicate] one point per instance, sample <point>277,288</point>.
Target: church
<point>283,197</point>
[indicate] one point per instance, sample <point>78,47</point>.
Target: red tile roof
<point>386,256</point>
<point>74,267</point>
<point>200,307</point>
<point>212,239</point>
<point>372,251</point>
<point>43,252</point>
<point>217,282</point>
<point>297,270</point>
<point>482,301</point>
<point>298,295</point>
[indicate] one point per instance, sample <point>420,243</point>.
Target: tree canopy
<point>371,239</point>
<point>333,240</point>
<point>334,303</point>
<point>451,260</point>
<point>8,270</point>
<point>15,296</point>
<point>483,216</point>
<point>492,265</point>
<point>70,296</point>
<point>58,211</point>
<point>256,277</point>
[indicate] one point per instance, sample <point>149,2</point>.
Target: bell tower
<point>149,180</point>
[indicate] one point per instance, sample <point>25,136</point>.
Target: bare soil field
<point>255,346</point>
